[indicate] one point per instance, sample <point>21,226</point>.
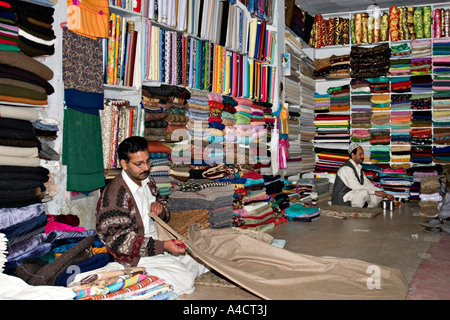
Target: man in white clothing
<point>352,188</point>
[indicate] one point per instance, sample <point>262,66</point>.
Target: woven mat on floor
<point>213,279</point>
<point>348,212</point>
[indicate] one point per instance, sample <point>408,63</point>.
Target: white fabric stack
<point>3,252</point>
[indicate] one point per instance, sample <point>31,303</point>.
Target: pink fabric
<point>54,225</point>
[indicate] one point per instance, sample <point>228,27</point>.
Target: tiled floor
<point>394,239</point>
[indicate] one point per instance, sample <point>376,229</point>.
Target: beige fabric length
<point>273,273</point>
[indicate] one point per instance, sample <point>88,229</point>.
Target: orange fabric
<point>158,147</point>
<point>89,18</point>
<point>22,100</point>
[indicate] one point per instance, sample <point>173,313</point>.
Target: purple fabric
<point>25,246</point>
<point>12,216</point>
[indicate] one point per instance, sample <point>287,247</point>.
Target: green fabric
<point>82,151</point>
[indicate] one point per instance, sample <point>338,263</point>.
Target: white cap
<point>352,147</point>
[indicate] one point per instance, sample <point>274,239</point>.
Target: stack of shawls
<point>9,32</point>
<point>370,62</point>
<point>380,136</point>
<point>441,118</point>
<point>395,182</point>
<point>380,102</point>
<point>360,136</point>
<point>339,98</point>
<point>400,102</point>
<point>421,48</point>
<point>420,66</point>
<point>321,103</point>
<point>379,154</point>
<point>360,86</point>
<point>421,154</point>
<point>23,79</point>
<point>400,126</point>
<point>379,85</point>
<point>339,67</point>
<point>429,196</point>
<point>421,136</point>
<point>421,84</point>
<point>380,120</point>
<point>441,154</point>
<point>400,153</point>
<point>401,84</point>
<point>36,34</point>
<point>421,101</point>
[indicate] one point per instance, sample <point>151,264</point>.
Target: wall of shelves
<point>322,85</point>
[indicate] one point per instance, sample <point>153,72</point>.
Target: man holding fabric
<point>352,188</point>
<point>129,233</point>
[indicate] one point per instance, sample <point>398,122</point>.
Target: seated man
<point>352,188</point>
<point>130,235</point>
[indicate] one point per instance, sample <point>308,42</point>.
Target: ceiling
<point>336,6</point>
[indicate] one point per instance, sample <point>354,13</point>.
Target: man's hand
<point>383,194</point>
<point>156,208</point>
<point>172,246</point>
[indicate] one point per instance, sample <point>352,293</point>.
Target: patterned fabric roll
<point>358,28</point>
<point>364,18</point>
<point>331,28</point>
<point>393,23</point>
<point>319,31</point>
<point>447,23</point>
<point>437,23</point>
<point>346,31</point>
<point>352,31</point>
<point>410,22</point>
<point>427,20</point>
<point>370,27</point>
<point>384,28</point>
<point>338,31</point>
<point>404,13</point>
<point>401,17</point>
<point>443,22</point>
<point>418,22</point>
<point>377,28</point>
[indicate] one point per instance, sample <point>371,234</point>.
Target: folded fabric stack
<point>380,102</point>
<point>316,188</point>
<point>441,92</point>
<point>114,282</point>
<point>441,154</point>
<point>379,154</point>
<point>165,112</point>
<point>361,104</point>
<point>441,136</point>
<point>330,157</point>
<point>321,103</point>
<point>421,154</point>
<point>400,126</point>
<point>379,84</point>
<point>360,136</point>
<point>441,118</point>
<point>441,64</point>
<point>37,37</point>
<point>400,102</point>
<point>396,182</point>
<point>421,136</point>
<point>380,120</point>
<point>421,48</point>
<point>205,194</point>
<point>9,32</point>
<point>400,153</point>
<point>302,213</point>
<point>332,128</point>
<point>418,173</point>
<point>159,155</point>
<point>24,80</point>
<point>421,66</point>
<point>361,120</point>
<point>339,67</point>
<point>400,67</point>
<point>421,101</point>
<point>429,196</point>
<point>421,84</point>
<point>401,84</point>
<point>359,86</point>
<point>339,98</point>
<point>370,62</point>
<point>321,68</point>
